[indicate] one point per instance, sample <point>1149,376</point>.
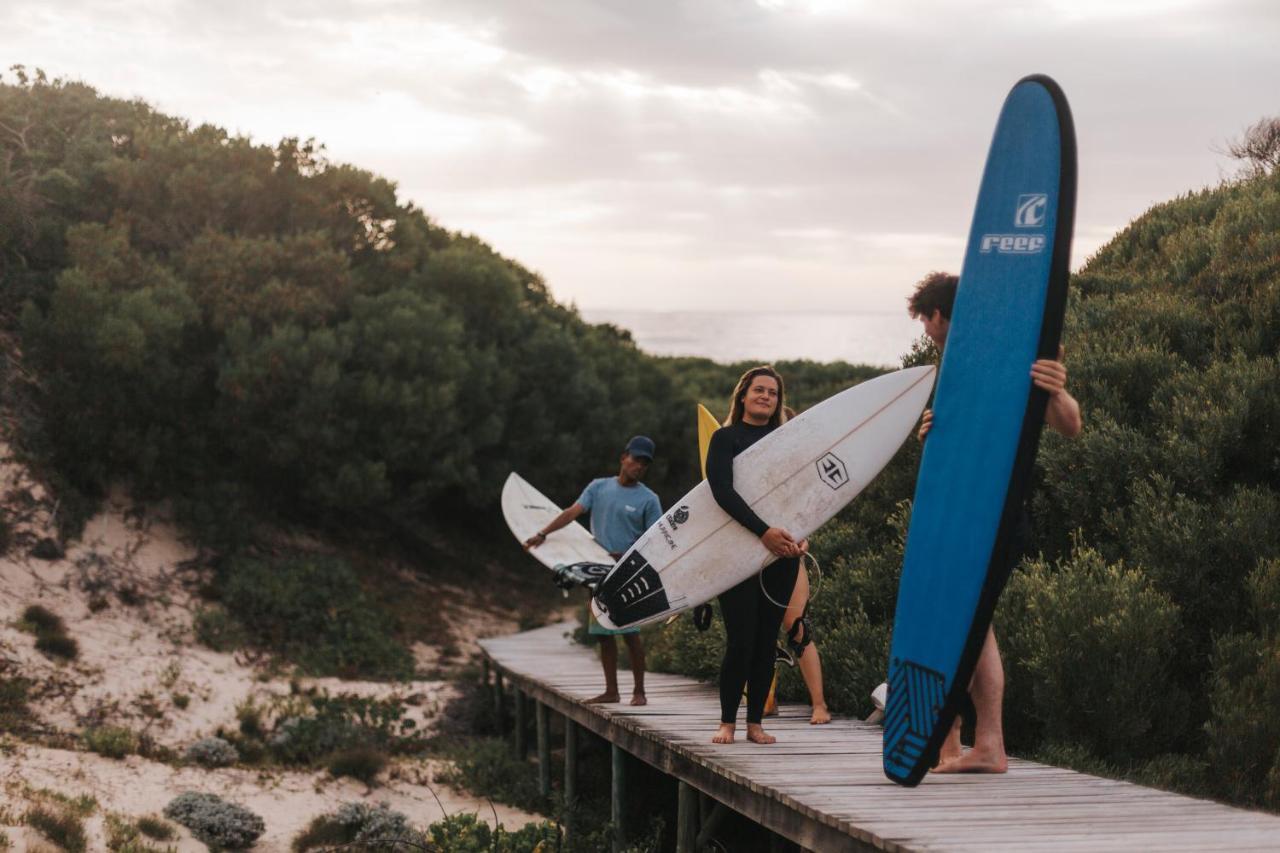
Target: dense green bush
<point>1087,652</point>
<point>312,608</point>
<point>330,724</point>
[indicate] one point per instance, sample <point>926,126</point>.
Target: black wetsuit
<point>751,620</point>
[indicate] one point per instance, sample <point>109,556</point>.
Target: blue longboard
<point>977,460</point>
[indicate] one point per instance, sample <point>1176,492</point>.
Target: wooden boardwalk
<point>822,786</point>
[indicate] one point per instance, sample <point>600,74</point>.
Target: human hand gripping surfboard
<point>795,478</point>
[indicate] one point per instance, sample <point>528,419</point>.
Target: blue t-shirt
<point>619,514</point>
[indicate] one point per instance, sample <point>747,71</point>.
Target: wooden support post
<point>484,671</point>
<point>710,825</point>
<point>686,817</point>
<point>521,723</point>
<point>570,775</point>
<point>544,749</point>
<point>499,712</point>
<point>619,794</point>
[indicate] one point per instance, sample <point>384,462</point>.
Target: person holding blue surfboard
<point>752,610</point>
<point>621,509</point>
<point>931,304</point>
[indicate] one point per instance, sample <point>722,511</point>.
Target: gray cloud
<point>683,145</point>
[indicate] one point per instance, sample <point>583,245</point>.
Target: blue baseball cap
<point>641,447</point>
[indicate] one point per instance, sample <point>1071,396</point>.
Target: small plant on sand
<point>372,828</point>
<point>157,828</point>
<point>58,646</point>
<point>62,827</point>
<point>111,741</point>
<point>51,632</point>
<point>14,712</point>
<point>358,762</point>
<point>216,628</point>
<point>215,821</point>
<point>181,701</point>
<point>212,752</point>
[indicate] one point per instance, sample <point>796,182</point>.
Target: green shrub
<point>360,826</point>
<point>218,630</point>
<point>358,762</point>
<point>15,714</point>
<point>58,646</point>
<point>111,741</point>
<point>157,828</point>
<point>215,821</point>
<point>1243,729</point>
<point>63,828</point>
<point>41,620</point>
<point>486,767</point>
<point>1091,643</point>
<point>341,722</point>
<point>312,608</point>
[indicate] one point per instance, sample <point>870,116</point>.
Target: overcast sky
<point>780,154</point>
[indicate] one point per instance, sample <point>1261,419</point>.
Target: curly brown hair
<point>934,292</point>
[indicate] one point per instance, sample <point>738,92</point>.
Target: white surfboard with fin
<point>528,511</point>
<point>796,478</point>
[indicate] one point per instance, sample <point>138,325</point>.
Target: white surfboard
<point>528,511</point>
<point>796,478</point>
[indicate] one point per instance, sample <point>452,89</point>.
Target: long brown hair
<point>737,404</point>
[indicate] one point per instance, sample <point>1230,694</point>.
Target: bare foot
<point>974,761</point>
<point>638,699</point>
<point>724,734</point>
<point>603,699</point>
<point>757,734</point>
<point>820,716</point>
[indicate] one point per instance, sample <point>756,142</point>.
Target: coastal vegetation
<point>269,340</point>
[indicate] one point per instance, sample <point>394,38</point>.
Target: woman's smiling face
<point>761,399</point>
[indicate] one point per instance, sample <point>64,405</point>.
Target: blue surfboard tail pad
<point>976,467</point>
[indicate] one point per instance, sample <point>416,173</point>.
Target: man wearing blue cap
<point>621,509</point>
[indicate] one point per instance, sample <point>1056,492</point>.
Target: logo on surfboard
<point>678,517</point>
<point>1029,213</point>
<point>832,471</point>
<point>1031,210</point>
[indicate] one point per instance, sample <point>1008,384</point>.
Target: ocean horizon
<point>859,337</point>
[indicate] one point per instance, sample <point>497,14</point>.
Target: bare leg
<point>756,734</point>
<point>609,661</point>
<point>811,671</point>
<point>810,664</point>
<point>724,734</point>
<point>987,689</point>
<point>635,648</point>
<point>951,748</point>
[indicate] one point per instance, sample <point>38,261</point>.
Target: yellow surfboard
<point>707,424</point>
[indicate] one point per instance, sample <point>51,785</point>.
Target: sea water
<point>866,337</point>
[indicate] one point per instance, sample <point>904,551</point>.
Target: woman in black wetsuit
<point>751,619</point>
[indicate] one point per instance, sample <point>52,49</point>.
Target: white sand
<point>134,659</point>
